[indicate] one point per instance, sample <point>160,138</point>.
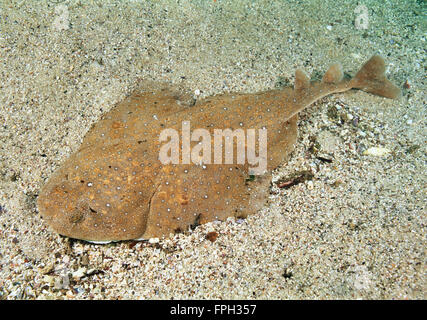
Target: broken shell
<point>376,151</point>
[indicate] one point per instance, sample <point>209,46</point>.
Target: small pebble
<point>212,236</point>
<point>81,272</point>
<point>376,151</point>
<point>153,240</point>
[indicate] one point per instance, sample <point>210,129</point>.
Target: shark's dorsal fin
<point>301,80</point>
<point>334,74</point>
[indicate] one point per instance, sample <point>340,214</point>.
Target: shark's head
<point>89,199</point>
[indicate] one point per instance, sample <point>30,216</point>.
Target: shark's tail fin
<point>371,78</point>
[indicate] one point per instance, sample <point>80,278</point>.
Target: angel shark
<point>114,187</point>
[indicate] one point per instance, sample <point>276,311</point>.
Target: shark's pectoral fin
<point>189,195</point>
<point>176,204</point>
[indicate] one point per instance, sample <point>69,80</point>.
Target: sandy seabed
<point>357,229</point>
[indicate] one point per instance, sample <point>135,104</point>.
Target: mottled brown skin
<point>115,188</point>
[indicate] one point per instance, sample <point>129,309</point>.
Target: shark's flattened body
<point>115,188</point>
